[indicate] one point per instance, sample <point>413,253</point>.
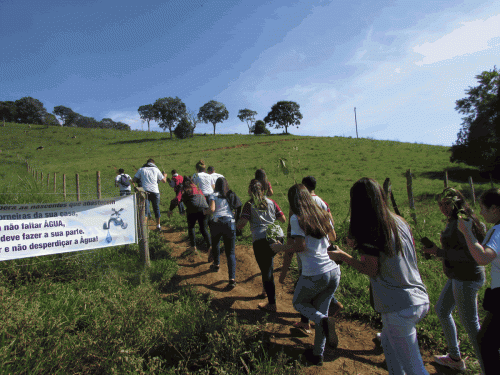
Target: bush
<point>260,128</point>
<point>184,129</point>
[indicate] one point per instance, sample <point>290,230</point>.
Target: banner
<point>29,230</point>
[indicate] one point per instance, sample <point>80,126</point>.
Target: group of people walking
<point>388,256</point>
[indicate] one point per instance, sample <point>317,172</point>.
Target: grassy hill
<point>336,162</point>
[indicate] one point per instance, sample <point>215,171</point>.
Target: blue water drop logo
<point>109,238</point>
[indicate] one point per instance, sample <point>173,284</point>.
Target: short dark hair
<point>309,182</point>
<point>173,171</point>
<point>121,171</point>
<point>210,169</point>
<point>150,161</point>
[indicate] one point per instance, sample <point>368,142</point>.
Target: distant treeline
<point>29,110</point>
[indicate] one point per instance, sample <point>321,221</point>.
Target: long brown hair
<point>459,205</point>
<point>221,187</point>
<point>371,220</point>
<point>258,195</point>
<point>260,175</point>
<point>313,220</point>
<point>187,186</point>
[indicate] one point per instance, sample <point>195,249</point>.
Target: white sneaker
<point>445,360</point>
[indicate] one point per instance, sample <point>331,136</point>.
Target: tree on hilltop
<point>248,116</point>
<point>66,114</point>
<point>184,129</point>
<point>260,128</point>
<point>8,111</point>
<point>147,113</point>
<point>30,111</point>
<point>213,112</point>
<point>169,112</point>
<point>478,139</point>
<point>284,114</point>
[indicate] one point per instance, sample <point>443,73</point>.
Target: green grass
<point>336,162</point>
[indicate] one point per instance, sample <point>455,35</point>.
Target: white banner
<point>29,230</point>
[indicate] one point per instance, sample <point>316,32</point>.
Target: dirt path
<point>356,353</point>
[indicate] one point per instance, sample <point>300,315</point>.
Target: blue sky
<point>402,64</point>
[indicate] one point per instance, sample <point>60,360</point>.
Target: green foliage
<point>249,116</point>
<point>66,114</point>
<point>284,114</point>
<point>478,139</point>
<point>184,129</point>
<point>8,111</point>
<point>260,128</point>
<point>169,112</point>
<point>213,112</point>
<point>30,110</point>
<point>147,113</point>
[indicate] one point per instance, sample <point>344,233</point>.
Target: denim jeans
<point>224,227</point>
<point>154,198</point>
<point>191,221</point>
<point>312,298</point>
<point>399,340</point>
<point>463,295</point>
<point>264,256</point>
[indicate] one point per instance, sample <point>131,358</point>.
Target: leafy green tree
<point>147,113</point>
<point>86,122</point>
<point>66,114</point>
<point>213,112</point>
<point>248,116</point>
<point>193,118</point>
<point>51,120</point>
<point>260,128</point>
<point>184,129</point>
<point>8,111</point>
<point>284,114</point>
<point>30,110</point>
<point>169,112</point>
<point>479,138</point>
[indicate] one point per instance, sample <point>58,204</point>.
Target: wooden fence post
<point>143,226</point>
<point>77,187</point>
<point>48,179</point>
<point>36,176</point>
<point>27,167</point>
<point>388,193</point>
<point>491,181</point>
<point>409,188</point>
<point>471,183</point>
<point>64,185</point>
<point>55,182</point>
<point>445,179</point>
<point>98,176</point>
<point>41,178</point>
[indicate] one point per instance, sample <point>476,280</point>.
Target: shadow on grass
<point>460,175</point>
<point>135,141</point>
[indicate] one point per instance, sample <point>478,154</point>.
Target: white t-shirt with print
<point>150,176</point>
<point>204,181</point>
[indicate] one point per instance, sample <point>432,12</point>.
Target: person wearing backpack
<point>123,181</point>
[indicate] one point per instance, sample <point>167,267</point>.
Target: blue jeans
<point>399,340</point>
<point>154,198</point>
<point>463,295</point>
<point>312,298</point>
<point>191,220</point>
<point>224,227</point>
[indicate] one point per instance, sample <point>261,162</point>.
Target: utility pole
<point>355,120</point>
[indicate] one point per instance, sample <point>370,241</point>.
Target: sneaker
<point>267,307</point>
<point>445,360</point>
<point>231,285</point>
<point>333,339</point>
<point>378,339</point>
<point>313,359</point>
<point>214,268</point>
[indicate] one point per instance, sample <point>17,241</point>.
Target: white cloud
<point>473,36</point>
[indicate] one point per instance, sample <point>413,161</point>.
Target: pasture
<point>60,312</point>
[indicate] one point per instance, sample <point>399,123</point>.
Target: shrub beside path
<point>356,353</point>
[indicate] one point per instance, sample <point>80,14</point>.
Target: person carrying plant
<point>465,278</point>
<point>488,252</point>
<point>388,257</point>
<point>320,276</point>
<point>176,184</point>
<point>221,206</point>
<point>123,181</point>
<point>262,213</point>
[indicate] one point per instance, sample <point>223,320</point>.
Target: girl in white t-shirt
<point>320,277</point>
<point>486,253</point>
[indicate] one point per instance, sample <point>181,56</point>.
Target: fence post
<point>143,226</point>
<point>48,179</point>
<point>445,179</point>
<point>55,182</point>
<point>409,188</point>
<point>98,176</point>
<point>77,187</point>
<point>27,167</point>
<point>64,185</point>
<point>471,183</point>
<point>41,178</point>
<point>388,193</point>
<point>491,181</point>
